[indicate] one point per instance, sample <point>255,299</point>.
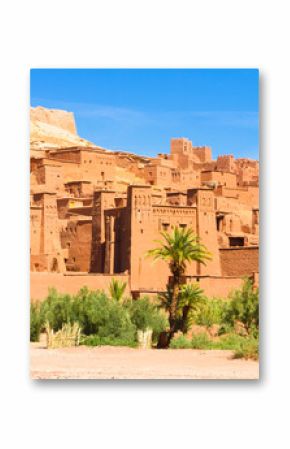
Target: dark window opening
<point>219,221</point>
<point>237,241</point>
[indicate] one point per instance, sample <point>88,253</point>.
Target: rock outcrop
<point>53,128</point>
<point>55,117</point>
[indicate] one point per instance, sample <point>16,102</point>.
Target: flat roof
<point>174,207</point>
<point>218,171</point>
<point>98,150</point>
<point>239,248</point>
<point>78,180</point>
<point>176,193</point>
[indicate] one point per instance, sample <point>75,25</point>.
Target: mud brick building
<point>95,213</point>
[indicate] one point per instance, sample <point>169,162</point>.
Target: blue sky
<point>139,110</point>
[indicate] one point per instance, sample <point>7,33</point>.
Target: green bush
<point>36,321</point>
<point>180,342</point>
<point>145,314</point>
<point>210,312</point>
<point>231,342</point>
<point>96,340</point>
<point>98,314</point>
<point>93,310</point>
<point>225,328</point>
<point>244,307</point>
<point>57,310</point>
<point>249,349</point>
<point>201,341</point>
<point>117,289</point>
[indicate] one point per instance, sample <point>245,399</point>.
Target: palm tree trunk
<point>174,304</point>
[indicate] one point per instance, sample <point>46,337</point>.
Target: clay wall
<point>239,261</point>
<point>51,176</point>
<point>49,242</point>
<point>217,287</point>
<point>232,224</point>
<point>163,162</point>
<point>220,178</point>
<point>35,230</point>
<point>181,161</point>
<point>97,166</point>
<point>76,238</point>
<point>71,171</point>
<point>181,146</point>
<point>249,196</point>
<point>79,189</point>
<point>226,163</point>
<point>73,155</point>
<point>207,230</point>
<point>102,200</point>
<point>70,283</point>
<point>202,154</point>
<point>248,176</point>
<point>158,175</point>
<point>222,204</point>
<point>147,222</point>
<point>186,178</point>
<point>176,199</point>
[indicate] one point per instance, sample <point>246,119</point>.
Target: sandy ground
<point>125,363</point>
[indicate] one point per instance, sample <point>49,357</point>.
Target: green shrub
<point>56,309</point>
<point>145,314</point>
<point>210,312</point>
<point>98,314</point>
<point>231,342</point>
<point>117,289</point>
<point>244,307</point>
<point>93,310</point>
<point>180,342</point>
<point>36,321</point>
<point>96,340</point>
<point>225,328</point>
<point>249,349</point>
<point>201,341</point>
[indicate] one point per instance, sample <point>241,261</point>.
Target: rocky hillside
<point>53,128</point>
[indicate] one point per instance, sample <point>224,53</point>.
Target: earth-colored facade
<point>97,212</point>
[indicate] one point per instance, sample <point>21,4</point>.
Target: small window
<point>165,226</point>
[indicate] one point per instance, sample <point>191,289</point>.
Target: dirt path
<point>126,363</point>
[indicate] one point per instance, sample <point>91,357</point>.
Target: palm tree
<point>191,298</point>
<point>117,289</point>
<point>178,249</point>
